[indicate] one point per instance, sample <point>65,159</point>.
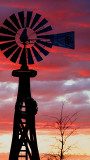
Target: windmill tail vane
<point>25,39</point>
<point>65,40</point>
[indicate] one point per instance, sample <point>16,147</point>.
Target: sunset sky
<point>63,75</point>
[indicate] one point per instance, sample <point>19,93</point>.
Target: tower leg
<point>24,141</point>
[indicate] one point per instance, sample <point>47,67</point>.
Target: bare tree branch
<point>65,123</point>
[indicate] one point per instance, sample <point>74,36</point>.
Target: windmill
<point>25,38</point>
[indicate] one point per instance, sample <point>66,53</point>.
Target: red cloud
<point>85,73</point>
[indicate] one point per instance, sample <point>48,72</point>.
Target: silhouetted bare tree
<point>65,125</point>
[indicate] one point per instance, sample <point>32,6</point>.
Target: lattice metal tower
<point>22,41</point>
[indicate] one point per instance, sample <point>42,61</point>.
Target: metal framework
<point>24,141</point>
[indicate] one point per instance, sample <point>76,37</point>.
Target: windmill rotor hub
<point>28,40</point>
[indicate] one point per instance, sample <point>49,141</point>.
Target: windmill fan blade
<point>21,17</point>
<point>6,45</point>
<point>38,57</point>
<point>23,57</point>
<point>7,31</point>
<point>30,59</point>
<point>6,38</point>
<point>15,21</point>
<point>16,54</point>
<point>10,51</point>
<point>9,25</point>
<point>45,52</point>
<point>65,40</point>
<point>36,18</point>
<point>29,15</point>
<point>43,22</point>
<point>47,44</point>
<point>49,28</point>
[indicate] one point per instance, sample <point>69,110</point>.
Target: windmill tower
<point>24,39</point>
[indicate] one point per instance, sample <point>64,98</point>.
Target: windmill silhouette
<point>24,39</point>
